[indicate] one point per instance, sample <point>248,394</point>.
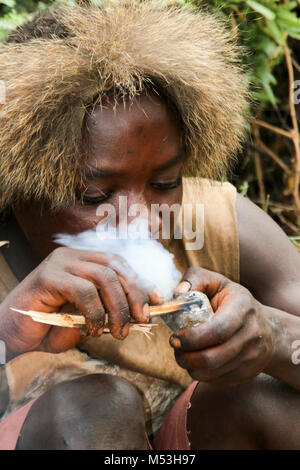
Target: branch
<point>258,170</point>
<point>271,154</point>
<point>295,129</point>
<point>295,64</point>
<point>278,130</point>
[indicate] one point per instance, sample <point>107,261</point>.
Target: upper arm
<point>269,262</point>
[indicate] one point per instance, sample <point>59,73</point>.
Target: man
<point>130,100</point>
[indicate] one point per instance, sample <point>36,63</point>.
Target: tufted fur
<point>189,56</point>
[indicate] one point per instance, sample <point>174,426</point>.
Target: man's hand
<point>239,341</point>
<point>93,283</point>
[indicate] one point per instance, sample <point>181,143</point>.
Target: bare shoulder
<point>269,263</point>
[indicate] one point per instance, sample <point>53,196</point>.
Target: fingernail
<point>125,330</point>
<point>83,331</point>
<point>159,295</point>
<point>183,288</point>
<point>146,312</point>
<point>175,342</point>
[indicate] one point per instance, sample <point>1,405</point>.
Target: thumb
<point>203,280</point>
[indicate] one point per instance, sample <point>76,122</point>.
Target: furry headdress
<point>126,46</point>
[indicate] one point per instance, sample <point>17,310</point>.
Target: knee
<point>93,412</point>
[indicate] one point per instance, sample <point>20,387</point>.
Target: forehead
<point>146,118</point>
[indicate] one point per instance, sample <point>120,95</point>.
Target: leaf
<point>264,11</point>
<point>294,35</point>
<point>273,31</point>
<point>263,71</point>
<point>288,27</point>
<point>8,3</point>
<point>288,17</point>
<point>290,5</point>
<point>270,94</point>
<point>265,45</point>
<point>261,97</point>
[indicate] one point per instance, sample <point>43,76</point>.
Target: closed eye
<point>167,186</point>
<point>90,200</point>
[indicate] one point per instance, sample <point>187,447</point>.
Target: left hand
<point>239,341</point>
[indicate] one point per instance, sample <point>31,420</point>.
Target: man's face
<point>132,151</point>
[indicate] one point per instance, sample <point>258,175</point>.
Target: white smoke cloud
<point>153,264</point>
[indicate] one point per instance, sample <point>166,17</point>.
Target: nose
<point>138,214</point>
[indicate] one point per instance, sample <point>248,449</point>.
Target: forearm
<point>284,363</point>
<point>4,391</point>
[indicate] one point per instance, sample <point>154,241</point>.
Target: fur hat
<point>126,46</point>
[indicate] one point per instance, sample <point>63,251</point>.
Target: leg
<point>262,414</point>
<point>93,412</point>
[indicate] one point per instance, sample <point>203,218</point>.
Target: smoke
<point>152,263</point>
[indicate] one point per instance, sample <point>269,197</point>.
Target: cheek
<point>77,218</point>
<point>40,226</point>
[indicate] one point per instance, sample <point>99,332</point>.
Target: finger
<point>155,296</point>
<point>115,302</point>
<point>112,295</point>
<point>196,278</point>
<point>244,368</point>
<point>239,367</point>
<point>214,359</point>
<point>83,294</point>
<point>61,339</point>
<point>137,294</point>
<point>211,375</point>
<point>137,298</point>
<point>183,288</point>
<point>224,324</point>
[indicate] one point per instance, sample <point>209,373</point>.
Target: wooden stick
<point>295,128</point>
<point>68,320</point>
<point>296,65</point>
<point>273,155</point>
<point>258,170</point>
<point>56,319</point>
<point>270,127</point>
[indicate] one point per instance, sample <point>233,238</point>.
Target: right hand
<point>94,283</point>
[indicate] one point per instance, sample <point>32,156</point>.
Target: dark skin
<point>65,418</point>
<point>73,276</point>
<point>139,154</point>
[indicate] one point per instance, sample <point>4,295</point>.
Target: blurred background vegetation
<point>268,171</point>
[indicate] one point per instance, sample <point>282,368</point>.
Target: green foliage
<point>264,27</point>
<point>295,241</point>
